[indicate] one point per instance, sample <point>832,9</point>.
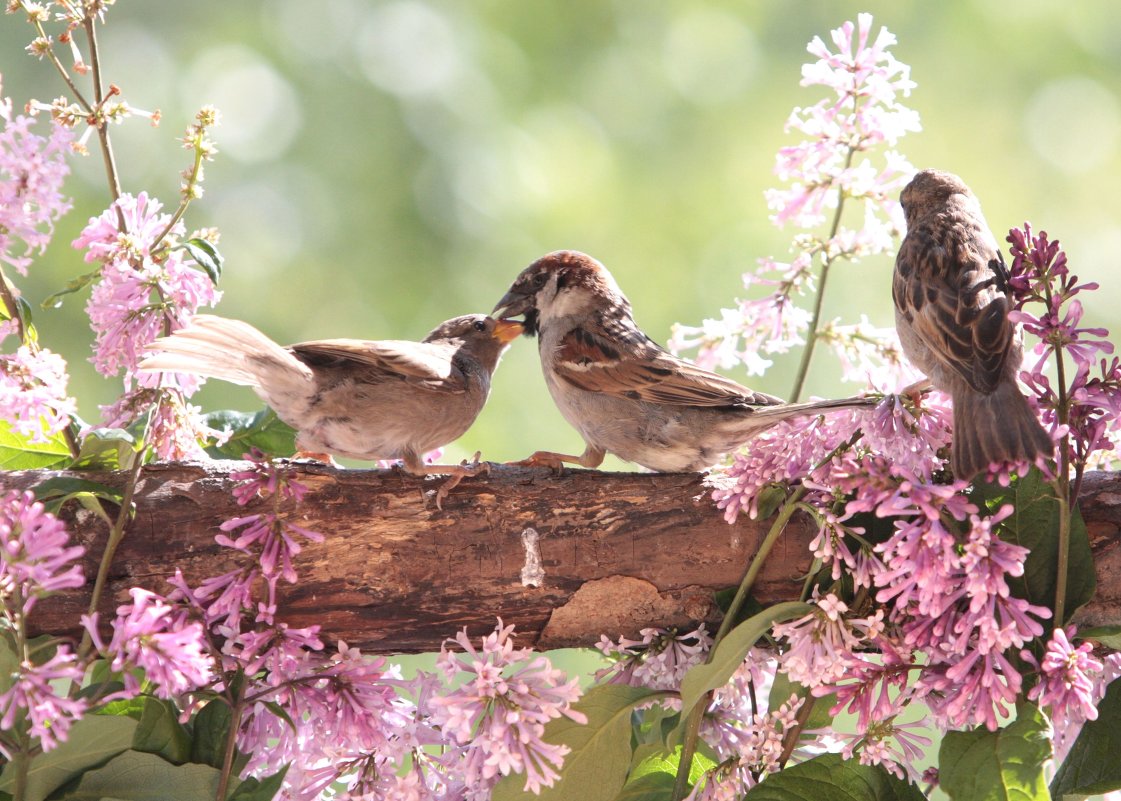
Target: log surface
<point>619,551</point>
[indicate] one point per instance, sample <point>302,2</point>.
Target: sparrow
<point>952,300</point>
<point>388,399</point>
<point>622,391</point>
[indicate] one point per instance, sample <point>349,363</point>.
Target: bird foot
<point>315,456</point>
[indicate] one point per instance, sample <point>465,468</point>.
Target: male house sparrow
<point>348,397</point>
<point>624,393</point>
<point>951,310</point>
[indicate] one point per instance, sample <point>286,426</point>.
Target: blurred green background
<point>386,165</point>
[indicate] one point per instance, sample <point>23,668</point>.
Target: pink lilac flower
<point>1066,678</point>
<point>36,559</point>
<point>820,645</point>
<point>782,454</point>
<point>32,697</point>
<point>659,660</point>
<point>894,746</point>
<point>820,173</point>
<point>32,170</point>
<point>502,709</point>
<point>158,638</point>
<point>33,396</point>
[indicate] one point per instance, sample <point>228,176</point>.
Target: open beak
<point>513,304</point>
<point>506,331</point>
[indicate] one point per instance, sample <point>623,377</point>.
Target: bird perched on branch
<point>624,393</point>
<point>348,397</point>
<point>951,310</point>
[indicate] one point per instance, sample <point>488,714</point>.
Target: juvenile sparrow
<point>347,397</point>
<point>951,310</point>
<point>624,393</point>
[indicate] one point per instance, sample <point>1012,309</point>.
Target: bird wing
<point>956,300</point>
<point>421,364</point>
<point>642,370</point>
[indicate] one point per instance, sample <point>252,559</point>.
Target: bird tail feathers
<point>996,427</point>
<point>216,347</point>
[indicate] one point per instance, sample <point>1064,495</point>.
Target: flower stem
<point>231,749</point>
<point>696,714</point>
<point>116,534</point>
<point>826,261</point>
<point>102,128</point>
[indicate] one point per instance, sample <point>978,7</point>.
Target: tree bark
<point>618,551</point>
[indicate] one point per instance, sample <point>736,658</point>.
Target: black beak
<point>512,304</point>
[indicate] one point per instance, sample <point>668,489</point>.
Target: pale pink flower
<point>819,646</point>
<point>501,710</point>
<point>659,660</point>
<point>37,559</point>
<point>32,170</point>
<point>32,694</point>
<point>1067,678</point>
<point>158,638</point>
<point>33,395</point>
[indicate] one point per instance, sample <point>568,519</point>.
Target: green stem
<point>102,128</point>
<point>696,714</point>
<point>1062,487</point>
<point>21,759</point>
<point>116,534</point>
<point>826,261</point>
<point>231,749</point>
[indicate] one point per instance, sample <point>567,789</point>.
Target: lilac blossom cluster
<point>826,170</point>
<point>658,660</point>
<point>353,719</point>
<point>1082,410</point>
<point>33,394</point>
<point>145,289</point>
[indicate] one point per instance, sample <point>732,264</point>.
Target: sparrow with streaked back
<point>623,392</point>
<point>952,300</point>
<point>369,400</point>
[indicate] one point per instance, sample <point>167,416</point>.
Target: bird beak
<point>506,331</point>
<point>513,304</point>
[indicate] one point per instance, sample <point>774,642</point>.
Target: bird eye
<point>539,280</point>
<point>480,325</point>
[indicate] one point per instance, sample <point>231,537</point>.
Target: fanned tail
<point>998,427</point>
<point>216,347</point>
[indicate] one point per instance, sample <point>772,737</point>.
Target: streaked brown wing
<point>421,364</point>
<point>644,371</point>
<point>957,304</point>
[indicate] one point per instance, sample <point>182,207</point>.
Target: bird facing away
<point>952,300</point>
<point>623,392</point>
<point>388,399</point>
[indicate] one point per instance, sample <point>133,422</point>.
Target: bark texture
<point>616,551</point>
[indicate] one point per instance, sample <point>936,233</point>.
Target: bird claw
<point>541,459</point>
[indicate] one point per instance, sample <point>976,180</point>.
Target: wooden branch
<point>620,551</point>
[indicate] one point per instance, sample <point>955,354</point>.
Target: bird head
<point>559,284</point>
<point>482,336</point>
<point>930,190</point>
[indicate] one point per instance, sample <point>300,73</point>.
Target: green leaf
<point>983,765</point>
<point>9,662</point>
<point>206,256</point>
<point>125,707</point>
<point>92,740</point>
<point>1035,526</point>
<point>831,778</point>
<point>160,731</point>
<point>134,776</point>
<point>1092,766</point>
<point>106,449</point>
<point>53,301</point>
<point>653,759</point>
<point>770,499</point>
<point>732,650</point>
<point>263,430</point>
<point>17,452</point>
<point>596,766</point>
<point>55,492</point>
<point>211,728</point>
<point>656,786</point>
<point>1109,636</point>
<point>259,790</point>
